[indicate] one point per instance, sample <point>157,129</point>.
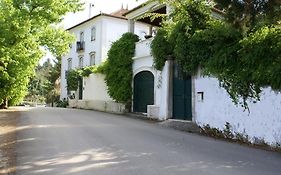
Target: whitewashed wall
<point>90,46</point>
<point>263,121</point>
<point>95,88</point>
<point>115,28</point>
<point>143,61</point>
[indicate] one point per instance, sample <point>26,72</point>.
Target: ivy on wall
<point>118,72</point>
<point>244,56</point>
<point>74,75</point>
<point>160,49</point>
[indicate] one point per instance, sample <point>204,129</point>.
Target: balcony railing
<point>80,46</point>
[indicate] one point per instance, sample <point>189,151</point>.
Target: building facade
<point>93,40</point>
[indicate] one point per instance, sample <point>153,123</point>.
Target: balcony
<point>143,48</point>
<point>80,46</point>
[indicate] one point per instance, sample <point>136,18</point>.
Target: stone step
<point>182,125</point>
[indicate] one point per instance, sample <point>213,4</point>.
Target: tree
<point>249,15</point>
<point>53,83</point>
<point>44,86</point>
<point>26,28</point>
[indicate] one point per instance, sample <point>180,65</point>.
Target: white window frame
<point>81,36</point>
<point>92,58</point>
<point>69,63</point>
<point>81,61</point>
<point>93,33</point>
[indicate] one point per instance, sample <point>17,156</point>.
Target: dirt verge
<point>8,124</point>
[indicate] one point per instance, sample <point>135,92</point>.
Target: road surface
<point>81,142</point>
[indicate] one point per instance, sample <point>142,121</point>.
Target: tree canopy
<point>44,86</point>
<point>26,28</point>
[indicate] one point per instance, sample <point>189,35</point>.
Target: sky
<point>105,6</point>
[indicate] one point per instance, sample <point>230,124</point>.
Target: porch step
<point>182,125</point>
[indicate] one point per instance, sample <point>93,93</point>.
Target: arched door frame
<point>133,85</point>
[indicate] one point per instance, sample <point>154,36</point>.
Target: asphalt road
<point>79,142</point>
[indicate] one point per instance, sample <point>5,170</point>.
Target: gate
<point>182,95</point>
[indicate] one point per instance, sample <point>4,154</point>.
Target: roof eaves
<point>143,4</point>
<point>96,16</point>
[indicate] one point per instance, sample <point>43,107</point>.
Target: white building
<point>198,99</point>
<point>93,40</point>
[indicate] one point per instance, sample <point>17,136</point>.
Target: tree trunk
<point>4,105</point>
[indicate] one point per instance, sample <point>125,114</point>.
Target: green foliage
<point>74,75</point>
<point>44,87</point>
<point>160,48</point>
<point>185,18</point>
<point>37,87</point>
<point>72,79</point>
<point>242,50</point>
<point>62,103</point>
<point>88,70</point>
<point>27,27</point>
<point>118,72</point>
<point>248,15</point>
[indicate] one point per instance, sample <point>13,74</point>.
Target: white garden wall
<point>95,88</point>
<point>263,122</point>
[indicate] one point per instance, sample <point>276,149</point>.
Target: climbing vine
<point>160,48</point>
<point>245,56</point>
<point>118,72</point>
<point>74,75</point>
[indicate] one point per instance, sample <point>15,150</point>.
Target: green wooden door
<point>143,91</point>
<point>182,95</point>
<point>80,88</point>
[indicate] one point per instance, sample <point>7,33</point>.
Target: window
<point>80,62</point>
<point>93,33</point>
<point>81,36</point>
<point>92,58</point>
<point>69,63</point>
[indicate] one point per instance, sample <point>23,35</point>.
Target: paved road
<point>78,142</point>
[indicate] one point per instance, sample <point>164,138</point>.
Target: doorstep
<point>182,125</point>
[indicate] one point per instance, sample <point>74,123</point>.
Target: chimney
<point>90,9</point>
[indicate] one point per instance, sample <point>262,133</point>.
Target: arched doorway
<point>143,91</point>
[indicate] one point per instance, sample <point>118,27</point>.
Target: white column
<point>131,25</point>
<point>170,62</point>
<point>150,30</point>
